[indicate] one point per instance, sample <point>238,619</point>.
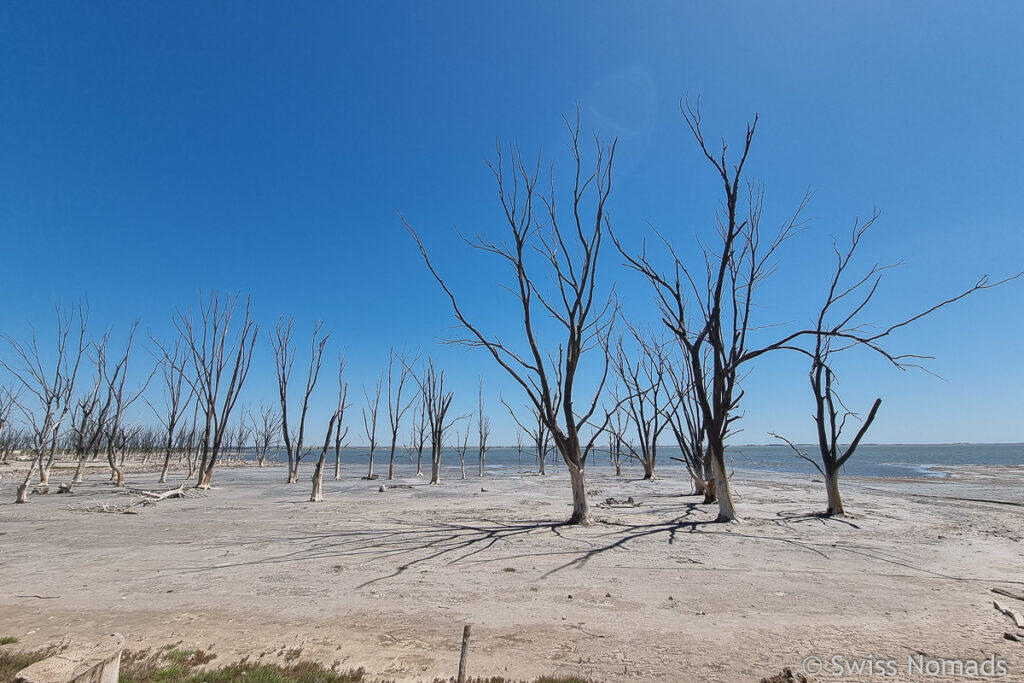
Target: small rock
<point>563,617</point>
<point>382,489</point>
<point>607,595</point>
<point>1011,636</point>
<point>570,596</point>
<point>483,490</point>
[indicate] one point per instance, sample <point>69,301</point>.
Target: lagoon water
<point>891,461</point>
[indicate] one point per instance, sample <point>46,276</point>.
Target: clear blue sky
<point>151,149</point>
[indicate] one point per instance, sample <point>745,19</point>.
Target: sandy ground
<point>654,592</point>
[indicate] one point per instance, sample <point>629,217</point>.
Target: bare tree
<point>717,317</point>
<point>220,355</point>
<point>265,427</point>
<point>370,413</point>
<point>647,399</point>
<point>117,402</point>
<point>339,433</point>
<point>570,256</point>
<point>397,379</point>
<point>436,403</point>
<point>538,433</point>
<point>687,423</point>
<point>460,449</point>
<point>177,395</point>
<point>8,401</point>
<point>333,424</point>
<point>839,330</point>
<point>87,419</point>
<point>52,389</point>
<point>284,357</point>
<point>420,430</point>
<point>483,428</point>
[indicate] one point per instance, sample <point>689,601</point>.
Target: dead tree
<point>420,429</point>
<point>333,425</point>
<point>265,428</point>
<point>397,379</point>
<point>710,312</point>
<point>219,355</point>
<point>615,427</point>
<point>538,432</point>
<point>50,390</point>
<point>548,370</point>
<point>483,428</point>
<point>339,433</point>
<point>436,403</point>
<point>370,413</point>
<point>647,399</point>
<point>88,417</point>
<point>8,400</point>
<point>284,357</point>
<point>117,402</point>
<point>838,328</point>
<point>177,395</point>
<point>687,423</point>
<point>460,449</point>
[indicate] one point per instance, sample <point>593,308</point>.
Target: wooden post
<point>465,652</point>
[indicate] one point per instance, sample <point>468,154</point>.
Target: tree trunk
<point>726,508</point>
<point>80,469</point>
<point>835,502</point>
<point>391,462</point>
<point>419,462</point>
<point>369,474</point>
<point>44,473</point>
<point>648,468</point>
<point>435,466</point>
<point>580,504</point>
<point>337,465</point>
<point>318,484</point>
<point>22,496</point>
<point>166,467</point>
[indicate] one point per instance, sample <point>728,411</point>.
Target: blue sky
<point>153,149</point>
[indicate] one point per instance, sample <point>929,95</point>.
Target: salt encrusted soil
<point>657,591</point>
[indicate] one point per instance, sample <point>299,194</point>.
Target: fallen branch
<point>1017,617</point>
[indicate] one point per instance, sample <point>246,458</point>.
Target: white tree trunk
<point>726,508</point>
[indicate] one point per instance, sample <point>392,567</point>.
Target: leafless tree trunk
<point>116,404</point>
<point>718,316</point>
<point>548,371</point>
<point>483,428</point>
<point>460,449</point>
<point>333,425</point>
<point>436,403</point>
<point>370,413</point>
<point>834,335</point>
<point>264,428</point>
<point>220,354</point>
<point>284,357</point>
<point>647,400</point>
<point>419,432</point>
<point>176,400</point>
<point>52,389</point>
<point>397,379</point>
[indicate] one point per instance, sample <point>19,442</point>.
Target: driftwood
<point>147,498</point>
<point>1009,594</point>
<point>153,496</point>
<point>1017,617</point>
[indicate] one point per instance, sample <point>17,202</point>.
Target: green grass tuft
<point>8,640</point>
